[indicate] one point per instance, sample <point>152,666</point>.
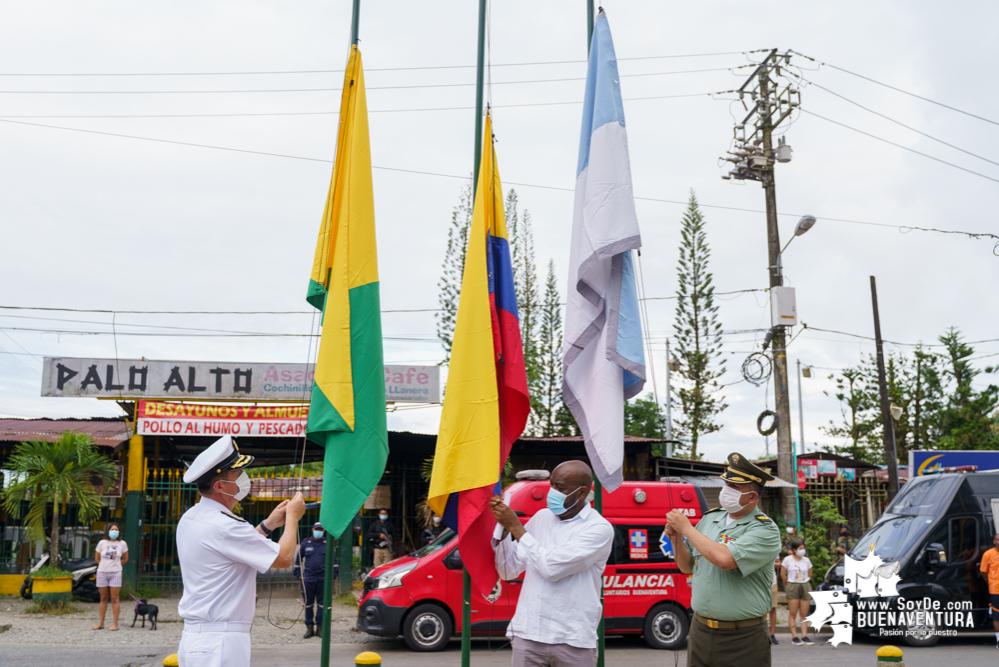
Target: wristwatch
<point>267,531</point>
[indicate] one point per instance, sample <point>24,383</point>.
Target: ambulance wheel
<point>427,628</point>
<point>666,627</point>
<point>921,634</point>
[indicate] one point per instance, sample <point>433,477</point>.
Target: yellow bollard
<point>170,660</point>
<point>368,658</point>
<point>890,656</point>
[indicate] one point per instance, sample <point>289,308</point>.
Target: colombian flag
<point>347,411</point>
<point>485,400</point>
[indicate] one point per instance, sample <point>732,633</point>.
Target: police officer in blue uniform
<point>310,560</point>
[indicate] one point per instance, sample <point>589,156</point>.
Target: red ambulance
<point>419,596</point>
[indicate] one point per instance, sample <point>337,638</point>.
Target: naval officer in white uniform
<point>220,555</point>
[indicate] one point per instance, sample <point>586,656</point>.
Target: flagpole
<point>348,533</point>
<point>597,486</point>
<point>466,580</point>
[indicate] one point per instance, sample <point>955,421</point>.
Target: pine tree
<point>449,285</point>
<point>546,396</point>
<point>698,333</point>
<point>525,278</point>
<point>967,419</point>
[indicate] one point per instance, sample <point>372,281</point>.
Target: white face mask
<point>800,552</point>
<point>729,499</point>
<point>437,520</point>
<point>243,482</point>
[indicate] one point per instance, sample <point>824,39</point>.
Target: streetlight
<point>804,224</point>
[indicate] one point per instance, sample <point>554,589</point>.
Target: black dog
<point>143,609</point>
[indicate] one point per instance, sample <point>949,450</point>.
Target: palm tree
<point>59,473</point>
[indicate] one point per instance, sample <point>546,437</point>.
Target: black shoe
<point>308,632</point>
<point>796,642</point>
<point>319,630</point>
<point>773,640</point>
<point>806,641</point>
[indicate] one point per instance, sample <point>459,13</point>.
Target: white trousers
<point>214,649</point>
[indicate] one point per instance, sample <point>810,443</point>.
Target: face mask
<point>437,520</point>
<point>800,552</point>
<point>729,499</point>
<point>318,534</point>
<point>243,482</point>
<point>790,530</point>
<point>383,517</point>
<point>113,534</point>
<point>556,501</point>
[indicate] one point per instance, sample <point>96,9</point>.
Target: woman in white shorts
<point>112,553</point>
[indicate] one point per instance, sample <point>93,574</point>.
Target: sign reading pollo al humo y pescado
<point>200,380</point>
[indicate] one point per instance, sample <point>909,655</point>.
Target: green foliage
<point>50,572</point>
<point>449,285</point>
<point>823,518</point>
<point>644,417</point>
<point>942,410</point>
<point>60,608</point>
<point>58,472</point>
<point>698,334</point>
<point>525,283</point>
<point>145,591</point>
<point>546,396</point>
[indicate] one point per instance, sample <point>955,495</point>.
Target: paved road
<point>966,650</point>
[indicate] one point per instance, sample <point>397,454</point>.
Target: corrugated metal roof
<point>106,433</point>
<point>579,438</point>
<point>717,482</point>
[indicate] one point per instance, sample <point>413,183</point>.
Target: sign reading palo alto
<point>200,380</point>
<point>212,419</point>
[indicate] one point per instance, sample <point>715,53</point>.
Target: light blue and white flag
<point>603,361</point>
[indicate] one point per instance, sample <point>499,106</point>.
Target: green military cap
<point>743,471</point>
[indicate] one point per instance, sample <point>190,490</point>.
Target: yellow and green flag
<point>347,411</point>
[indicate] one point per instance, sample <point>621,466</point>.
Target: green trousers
<point>735,647</point>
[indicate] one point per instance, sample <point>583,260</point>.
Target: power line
<point>374,69</point>
<point>853,335</point>
<point>899,90</point>
<point>892,143</point>
<point>332,113</point>
<point>901,228</point>
<point>339,90</point>
<point>899,123</point>
<point>247,334</point>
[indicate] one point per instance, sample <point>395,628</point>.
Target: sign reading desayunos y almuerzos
<point>199,380</point>
<point>212,419</point>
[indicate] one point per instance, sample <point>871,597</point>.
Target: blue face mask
<point>556,501</point>
<point>113,534</point>
<point>318,534</point>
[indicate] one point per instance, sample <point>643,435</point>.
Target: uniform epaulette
<point>763,517</point>
<point>233,516</point>
<point>716,509</point>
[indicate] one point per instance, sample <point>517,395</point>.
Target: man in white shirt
<point>562,551</point>
<point>220,555</point>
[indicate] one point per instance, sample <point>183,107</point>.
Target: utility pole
<point>801,415</point>
<point>754,157</point>
<point>669,405</point>
<point>888,437</point>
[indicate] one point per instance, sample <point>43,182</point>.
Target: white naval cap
<point>223,454</point>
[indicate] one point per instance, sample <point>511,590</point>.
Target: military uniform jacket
<point>742,593</point>
<point>220,555</point>
<point>314,553</point>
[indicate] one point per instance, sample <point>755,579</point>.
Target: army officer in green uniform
<point>731,553</point>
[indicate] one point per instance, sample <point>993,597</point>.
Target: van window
<point>621,552</point>
<point>963,543</point>
<point>892,538</point>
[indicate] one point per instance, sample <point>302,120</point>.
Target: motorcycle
<point>84,572</point>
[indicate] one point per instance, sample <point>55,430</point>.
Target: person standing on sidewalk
<point>220,555</point>
<point>310,561</point>
<point>796,571</point>
<point>731,554</point>
<point>990,566</point>
<point>381,535</point>
<point>112,553</point>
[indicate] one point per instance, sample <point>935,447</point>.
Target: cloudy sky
<point>117,223</point>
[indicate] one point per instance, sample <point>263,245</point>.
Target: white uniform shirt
<point>220,556</point>
<point>564,563</point>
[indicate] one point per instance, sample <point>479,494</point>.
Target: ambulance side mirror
<point>935,555</point>
<point>453,560</point>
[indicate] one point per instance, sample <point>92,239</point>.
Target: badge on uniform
<point>725,538</point>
